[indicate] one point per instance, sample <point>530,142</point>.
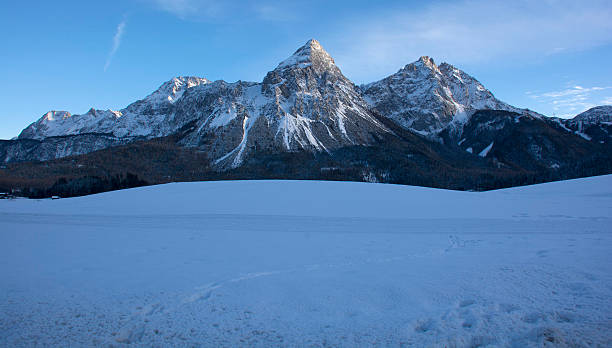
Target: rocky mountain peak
<point>55,115</point>
<point>305,103</point>
<point>426,98</point>
<point>426,61</point>
<point>167,94</point>
<point>311,54</point>
<point>424,64</point>
<point>308,71</point>
<point>171,90</point>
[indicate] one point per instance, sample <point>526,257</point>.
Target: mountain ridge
<point>423,116</point>
<point>422,96</point>
<point>427,98</point>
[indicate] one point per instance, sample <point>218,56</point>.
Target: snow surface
<point>305,263</point>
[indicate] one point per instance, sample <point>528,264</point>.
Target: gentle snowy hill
<point>328,198</point>
<point>297,263</point>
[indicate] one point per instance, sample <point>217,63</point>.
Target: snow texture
<point>305,263</point>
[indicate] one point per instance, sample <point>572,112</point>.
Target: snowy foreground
<point>295,263</point>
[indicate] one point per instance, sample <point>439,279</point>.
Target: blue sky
<point>550,56</point>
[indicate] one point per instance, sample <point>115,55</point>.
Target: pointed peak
<point>310,46</point>
<point>425,62</point>
<point>314,44</point>
<point>311,52</point>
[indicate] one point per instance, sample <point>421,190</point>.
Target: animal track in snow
<point>469,315</point>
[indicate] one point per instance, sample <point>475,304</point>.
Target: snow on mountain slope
<point>309,85</point>
<point>304,104</point>
<point>594,125</point>
<point>141,118</point>
<point>324,263</point>
<point>426,98</point>
<point>597,114</point>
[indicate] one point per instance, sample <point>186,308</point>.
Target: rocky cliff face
<point>427,98</point>
<point>143,118</point>
<point>304,104</point>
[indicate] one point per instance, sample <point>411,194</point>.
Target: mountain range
<point>427,124</point>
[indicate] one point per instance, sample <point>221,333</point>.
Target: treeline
<point>64,187</point>
<point>397,160</point>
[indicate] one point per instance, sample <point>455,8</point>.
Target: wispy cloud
<point>573,100</point>
<point>193,9</point>
<point>116,42</point>
<point>178,7</point>
<point>274,12</point>
<point>574,91</point>
<point>471,32</point>
<point>206,10</point>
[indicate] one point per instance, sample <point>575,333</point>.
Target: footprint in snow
<point>466,303</point>
<point>425,325</point>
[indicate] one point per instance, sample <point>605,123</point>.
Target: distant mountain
<point>522,142</point>
<point>426,124</point>
<point>597,114</point>
<point>147,117</point>
<point>594,125</point>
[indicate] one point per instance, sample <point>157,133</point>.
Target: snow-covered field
<point>295,263</point>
